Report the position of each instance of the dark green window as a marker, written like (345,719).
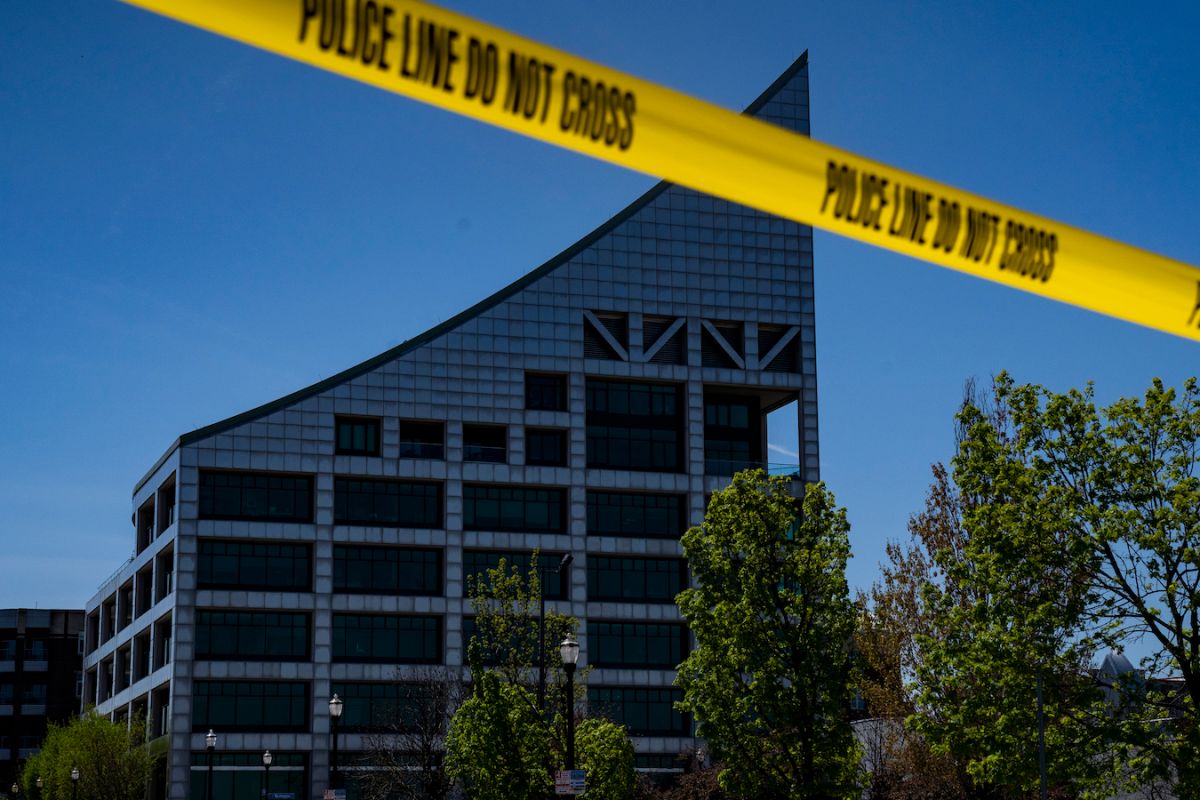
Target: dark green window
(240,776)
(250,706)
(485,443)
(732,434)
(635,426)
(226,564)
(636,514)
(394,707)
(252,636)
(635,580)
(357,436)
(546,392)
(554,586)
(545,447)
(646,712)
(390,638)
(400,504)
(514,508)
(637,644)
(255,496)
(387,570)
(422,439)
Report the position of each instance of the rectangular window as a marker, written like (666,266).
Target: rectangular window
(255,496)
(35,650)
(386,570)
(388,638)
(653,645)
(251,636)
(554,586)
(513,508)
(6,694)
(422,439)
(250,706)
(392,707)
(545,392)
(488,443)
(545,447)
(391,503)
(357,436)
(636,514)
(646,712)
(732,434)
(240,776)
(635,580)
(270,566)
(635,426)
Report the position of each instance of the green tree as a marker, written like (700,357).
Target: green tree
(769,679)
(112,760)
(603,748)
(497,743)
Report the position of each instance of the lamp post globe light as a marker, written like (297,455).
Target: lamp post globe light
(335,716)
(74,782)
(15,789)
(266,787)
(568,650)
(210,744)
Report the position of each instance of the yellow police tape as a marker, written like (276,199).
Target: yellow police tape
(463,65)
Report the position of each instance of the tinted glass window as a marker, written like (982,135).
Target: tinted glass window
(255,496)
(380,706)
(387,570)
(635,426)
(250,705)
(357,436)
(390,638)
(637,644)
(253,565)
(513,508)
(554,585)
(645,580)
(402,504)
(545,447)
(485,443)
(641,515)
(546,392)
(252,635)
(646,712)
(422,439)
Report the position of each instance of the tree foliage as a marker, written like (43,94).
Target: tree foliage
(497,743)
(602,747)
(112,761)
(769,679)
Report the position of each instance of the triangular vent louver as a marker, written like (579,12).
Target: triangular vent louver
(788,359)
(595,346)
(673,351)
(732,333)
(712,354)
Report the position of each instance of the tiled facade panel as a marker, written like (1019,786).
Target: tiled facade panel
(680,255)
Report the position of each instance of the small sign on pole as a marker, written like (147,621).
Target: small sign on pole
(570,781)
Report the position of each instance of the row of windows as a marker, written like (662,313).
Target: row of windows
(406,639)
(375,569)
(283,706)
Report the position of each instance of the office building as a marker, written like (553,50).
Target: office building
(41,678)
(320,542)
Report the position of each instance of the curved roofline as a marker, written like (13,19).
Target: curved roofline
(458,319)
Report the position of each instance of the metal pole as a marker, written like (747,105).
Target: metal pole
(1041,737)
(541,647)
(570,704)
(337,776)
(210,773)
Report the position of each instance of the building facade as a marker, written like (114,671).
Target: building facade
(321,543)
(41,679)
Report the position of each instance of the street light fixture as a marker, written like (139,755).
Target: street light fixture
(74,782)
(15,789)
(335,716)
(564,564)
(568,650)
(38,783)
(267,759)
(210,744)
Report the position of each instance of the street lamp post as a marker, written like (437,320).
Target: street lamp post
(74,783)
(267,759)
(210,744)
(564,564)
(15,789)
(335,716)
(569,651)
(38,783)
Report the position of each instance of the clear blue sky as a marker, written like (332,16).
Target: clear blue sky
(189,228)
